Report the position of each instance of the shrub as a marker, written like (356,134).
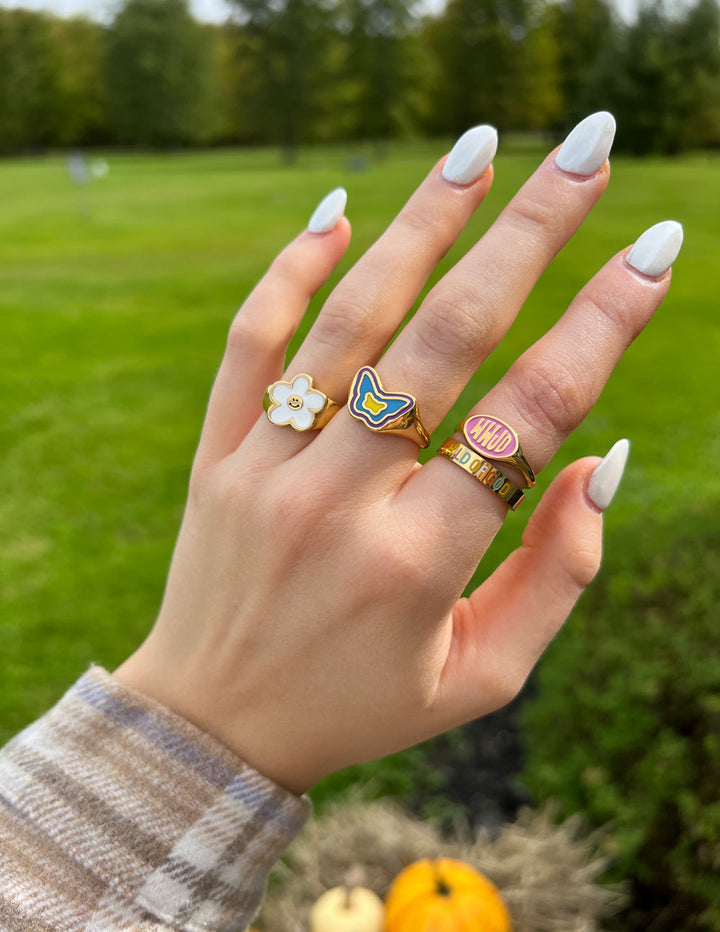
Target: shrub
(624,727)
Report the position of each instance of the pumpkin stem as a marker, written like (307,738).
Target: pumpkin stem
(354,877)
(442,888)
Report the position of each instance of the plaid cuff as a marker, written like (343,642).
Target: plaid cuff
(117,812)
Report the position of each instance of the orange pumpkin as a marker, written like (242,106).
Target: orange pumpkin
(444,895)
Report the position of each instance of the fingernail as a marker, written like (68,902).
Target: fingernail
(471,155)
(657,249)
(607,475)
(587,147)
(328,211)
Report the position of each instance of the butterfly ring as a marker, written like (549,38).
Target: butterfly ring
(388,412)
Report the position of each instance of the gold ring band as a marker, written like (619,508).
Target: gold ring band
(497,441)
(483,470)
(386,412)
(298,404)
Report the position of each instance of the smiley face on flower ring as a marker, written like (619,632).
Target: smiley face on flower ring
(295,403)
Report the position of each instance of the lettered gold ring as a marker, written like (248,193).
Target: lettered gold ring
(497,442)
(483,470)
(298,404)
(389,412)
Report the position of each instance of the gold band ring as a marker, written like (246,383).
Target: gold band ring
(297,404)
(497,442)
(388,412)
(483,470)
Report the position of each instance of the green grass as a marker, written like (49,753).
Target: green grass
(113,323)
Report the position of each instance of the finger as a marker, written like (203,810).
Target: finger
(551,388)
(370,302)
(499,632)
(368,305)
(468,312)
(262,329)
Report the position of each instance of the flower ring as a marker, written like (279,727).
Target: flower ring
(298,404)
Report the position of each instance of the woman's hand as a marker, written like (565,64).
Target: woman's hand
(312,617)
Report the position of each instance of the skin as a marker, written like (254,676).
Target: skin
(313,615)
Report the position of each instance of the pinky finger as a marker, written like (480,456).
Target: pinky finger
(264,325)
(501,630)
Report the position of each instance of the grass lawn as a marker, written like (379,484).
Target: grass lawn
(113,320)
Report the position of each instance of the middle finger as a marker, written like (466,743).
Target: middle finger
(368,305)
(468,312)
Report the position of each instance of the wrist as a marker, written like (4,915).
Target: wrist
(261,753)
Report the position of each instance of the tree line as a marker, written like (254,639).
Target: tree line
(308,71)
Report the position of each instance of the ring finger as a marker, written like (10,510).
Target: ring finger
(550,389)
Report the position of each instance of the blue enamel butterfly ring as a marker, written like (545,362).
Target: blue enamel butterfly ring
(383,411)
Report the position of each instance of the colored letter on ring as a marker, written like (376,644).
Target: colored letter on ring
(497,441)
(389,412)
(482,470)
(298,404)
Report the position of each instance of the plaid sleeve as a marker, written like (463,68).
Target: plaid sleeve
(116,815)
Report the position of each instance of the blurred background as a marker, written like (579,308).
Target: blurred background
(286,72)
(154,160)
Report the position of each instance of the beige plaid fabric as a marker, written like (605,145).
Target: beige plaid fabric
(118,815)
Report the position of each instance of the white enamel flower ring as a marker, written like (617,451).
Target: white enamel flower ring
(296,403)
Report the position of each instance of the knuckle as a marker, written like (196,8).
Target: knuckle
(200,488)
(249,335)
(202,475)
(453,325)
(402,571)
(304,509)
(419,223)
(291,273)
(215,489)
(343,322)
(230,495)
(529,215)
(552,397)
(581,565)
(285,267)
(502,683)
(615,312)
(285,509)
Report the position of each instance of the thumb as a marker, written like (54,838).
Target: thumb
(504,626)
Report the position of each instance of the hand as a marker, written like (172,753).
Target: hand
(312,617)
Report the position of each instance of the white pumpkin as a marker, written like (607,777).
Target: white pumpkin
(348,909)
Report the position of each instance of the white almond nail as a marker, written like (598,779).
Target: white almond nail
(328,212)
(471,155)
(607,475)
(657,249)
(587,147)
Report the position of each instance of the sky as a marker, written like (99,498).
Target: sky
(209,10)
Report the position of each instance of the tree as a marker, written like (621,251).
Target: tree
(541,101)
(383,66)
(80,48)
(582,30)
(661,78)
(29,81)
(160,75)
(694,77)
(287,82)
(496,60)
